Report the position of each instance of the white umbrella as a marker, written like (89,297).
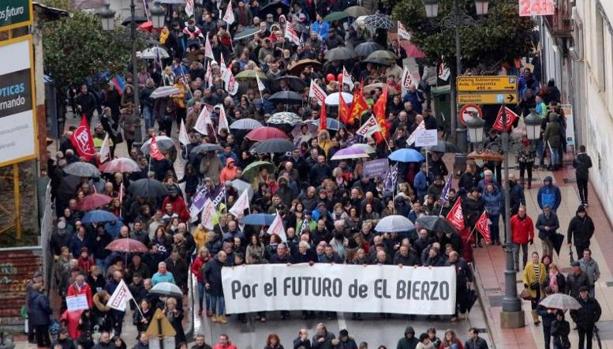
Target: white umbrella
(166,289)
(163,142)
(394,224)
(152,53)
(164,91)
(241,186)
(245,124)
(560,301)
(333,98)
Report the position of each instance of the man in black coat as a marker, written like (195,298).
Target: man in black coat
(580,231)
(464,276)
(582,165)
(576,280)
(474,341)
(586,317)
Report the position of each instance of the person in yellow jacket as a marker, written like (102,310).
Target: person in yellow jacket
(533,277)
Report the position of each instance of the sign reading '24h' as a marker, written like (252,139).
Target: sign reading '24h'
(15,13)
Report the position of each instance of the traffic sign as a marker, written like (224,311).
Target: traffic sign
(470,110)
(487,83)
(160,326)
(488,98)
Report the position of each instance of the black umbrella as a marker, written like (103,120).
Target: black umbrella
(272,8)
(341,53)
(436,223)
(148,188)
(444,147)
(366,48)
(82,169)
(557,240)
(274,145)
(206,147)
(137,19)
(294,83)
(286,97)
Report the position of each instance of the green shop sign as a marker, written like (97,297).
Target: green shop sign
(15,13)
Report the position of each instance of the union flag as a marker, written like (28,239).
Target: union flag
(456,215)
(483,227)
(359,104)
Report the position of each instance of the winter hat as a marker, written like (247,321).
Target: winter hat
(581,208)
(548,179)
(343,333)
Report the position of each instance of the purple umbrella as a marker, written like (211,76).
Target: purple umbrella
(350,153)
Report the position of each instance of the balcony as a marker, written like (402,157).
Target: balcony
(560,24)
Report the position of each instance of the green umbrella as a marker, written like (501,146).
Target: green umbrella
(336,16)
(250,74)
(253,168)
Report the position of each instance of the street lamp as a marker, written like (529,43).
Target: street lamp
(431,8)
(475,124)
(158,15)
(107,17)
(533,125)
(456,19)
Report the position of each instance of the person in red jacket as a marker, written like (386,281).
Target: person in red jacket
(178,204)
(224,342)
(522,234)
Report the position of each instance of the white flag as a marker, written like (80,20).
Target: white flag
(347,80)
(183,136)
(223,120)
(231,84)
(403,34)
(120,297)
(105,149)
(443,72)
(208,213)
(261,86)
(204,119)
(408,80)
(208,49)
(413,136)
(369,127)
(276,228)
(241,204)
(228,17)
(318,93)
(189,8)
(291,35)
(208,76)
(223,69)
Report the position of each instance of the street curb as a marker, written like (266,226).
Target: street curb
(483,302)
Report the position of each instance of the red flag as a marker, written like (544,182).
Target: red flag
(359,104)
(379,107)
(456,215)
(379,111)
(344,112)
(82,140)
(511,117)
(323,118)
(154,150)
(483,227)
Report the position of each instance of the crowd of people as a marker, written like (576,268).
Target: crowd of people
(329,207)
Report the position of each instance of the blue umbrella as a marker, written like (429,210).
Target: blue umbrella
(406,155)
(258,219)
(331,124)
(98,216)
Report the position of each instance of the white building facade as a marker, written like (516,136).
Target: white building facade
(591,90)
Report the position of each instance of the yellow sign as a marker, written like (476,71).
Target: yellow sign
(154,329)
(488,98)
(487,83)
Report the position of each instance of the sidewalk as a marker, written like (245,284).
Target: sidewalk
(490,264)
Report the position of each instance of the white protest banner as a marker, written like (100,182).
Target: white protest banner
(208,213)
(375,168)
(76,303)
(340,288)
(426,138)
(120,297)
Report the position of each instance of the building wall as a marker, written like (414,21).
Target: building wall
(595,75)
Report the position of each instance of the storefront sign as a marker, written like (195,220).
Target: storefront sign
(17,123)
(15,13)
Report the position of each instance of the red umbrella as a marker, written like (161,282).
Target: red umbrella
(411,49)
(146,26)
(264,133)
(120,165)
(94,201)
(127,245)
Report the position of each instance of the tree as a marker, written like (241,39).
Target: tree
(493,39)
(76,48)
